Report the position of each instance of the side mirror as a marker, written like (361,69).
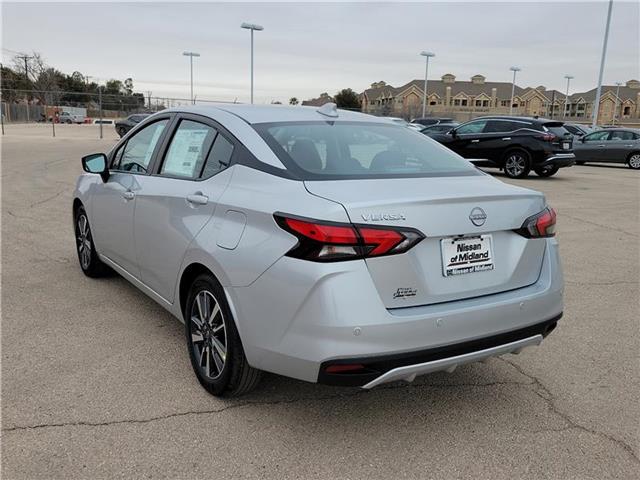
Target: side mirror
(96,163)
(453,133)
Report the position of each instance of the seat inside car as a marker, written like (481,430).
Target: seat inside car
(305,154)
(385,161)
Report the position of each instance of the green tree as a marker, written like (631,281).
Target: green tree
(293,101)
(347,98)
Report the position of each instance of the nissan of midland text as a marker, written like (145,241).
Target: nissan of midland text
(320,244)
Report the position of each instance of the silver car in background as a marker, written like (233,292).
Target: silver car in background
(324,245)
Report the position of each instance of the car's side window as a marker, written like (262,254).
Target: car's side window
(188,149)
(137,152)
(219,157)
(472,127)
(501,126)
(622,135)
(597,136)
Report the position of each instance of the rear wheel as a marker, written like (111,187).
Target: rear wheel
(634,161)
(546,171)
(215,349)
(90,263)
(517,164)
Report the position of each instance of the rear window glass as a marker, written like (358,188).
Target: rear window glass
(556,128)
(334,150)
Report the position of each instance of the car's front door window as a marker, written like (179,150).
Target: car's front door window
(136,154)
(472,127)
(597,137)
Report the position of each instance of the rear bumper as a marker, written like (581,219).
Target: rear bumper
(559,160)
(406,366)
(300,316)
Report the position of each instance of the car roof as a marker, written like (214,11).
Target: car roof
(520,118)
(253,114)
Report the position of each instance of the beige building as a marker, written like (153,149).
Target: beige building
(464,100)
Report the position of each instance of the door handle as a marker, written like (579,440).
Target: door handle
(475,141)
(601,146)
(198,199)
(128,195)
(506,138)
(628,145)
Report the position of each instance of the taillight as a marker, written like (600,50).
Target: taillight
(548,137)
(322,241)
(540,225)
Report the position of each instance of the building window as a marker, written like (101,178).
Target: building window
(463,102)
(478,103)
(485,103)
(626,111)
(504,103)
(456,102)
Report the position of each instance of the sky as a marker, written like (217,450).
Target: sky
(309,48)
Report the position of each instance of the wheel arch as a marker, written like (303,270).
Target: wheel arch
(77,203)
(189,274)
(631,154)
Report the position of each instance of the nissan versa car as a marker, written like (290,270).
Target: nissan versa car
(324,245)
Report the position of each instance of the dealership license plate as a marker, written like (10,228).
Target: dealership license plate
(566,145)
(466,255)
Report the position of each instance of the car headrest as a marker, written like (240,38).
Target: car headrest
(306,155)
(384,161)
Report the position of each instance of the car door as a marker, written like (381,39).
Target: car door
(620,144)
(592,147)
(497,136)
(114,201)
(467,139)
(178,199)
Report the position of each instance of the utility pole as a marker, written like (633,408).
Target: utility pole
(190,55)
(427,56)
(1,103)
(253,27)
(26,59)
(566,97)
(100,107)
(149,98)
(513,87)
(596,107)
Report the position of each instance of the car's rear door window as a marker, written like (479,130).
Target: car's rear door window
(622,135)
(188,150)
(219,156)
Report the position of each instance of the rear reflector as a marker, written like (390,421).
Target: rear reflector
(322,241)
(345,368)
(540,225)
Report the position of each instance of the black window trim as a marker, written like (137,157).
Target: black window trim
(132,133)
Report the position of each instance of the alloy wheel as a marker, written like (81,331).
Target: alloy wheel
(83,240)
(515,164)
(208,334)
(634,161)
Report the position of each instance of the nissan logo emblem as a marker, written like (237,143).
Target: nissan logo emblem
(477,217)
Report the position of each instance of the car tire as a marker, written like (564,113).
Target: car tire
(68,122)
(517,163)
(579,162)
(90,263)
(634,161)
(214,345)
(122,131)
(546,171)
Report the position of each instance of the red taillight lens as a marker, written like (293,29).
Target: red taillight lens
(542,224)
(548,137)
(329,242)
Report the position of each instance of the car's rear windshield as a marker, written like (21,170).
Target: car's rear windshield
(557,128)
(341,150)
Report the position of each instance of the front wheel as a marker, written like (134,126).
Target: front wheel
(517,164)
(216,353)
(547,171)
(90,263)
(634,161)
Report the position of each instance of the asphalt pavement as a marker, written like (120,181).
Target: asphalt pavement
(96,380)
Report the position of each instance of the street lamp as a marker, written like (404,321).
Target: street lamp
(427,56)
(191,55)
(252,27)
(596,107)
(566,97)
(513,86)
(615,110)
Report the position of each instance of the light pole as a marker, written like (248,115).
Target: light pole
(427,56)
(513,86)
(596,107)
(615,110)
(190,55)
(252,27)
(566,97)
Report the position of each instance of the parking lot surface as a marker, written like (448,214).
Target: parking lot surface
(96,380)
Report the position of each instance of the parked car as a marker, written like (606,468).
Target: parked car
(619,145)
(516,145)
(577,129)
(432,120)
(325,245)
(123,126)
(415,126)
(68,117)
(439,128)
